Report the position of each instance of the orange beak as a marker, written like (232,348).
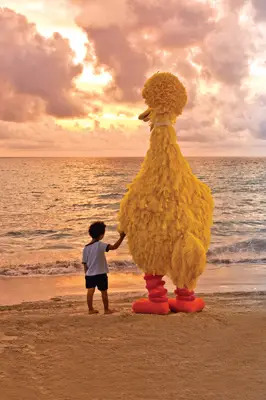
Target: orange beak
(145,116)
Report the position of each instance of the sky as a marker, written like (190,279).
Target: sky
(72,71)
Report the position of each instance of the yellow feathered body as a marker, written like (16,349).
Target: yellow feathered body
(167,212)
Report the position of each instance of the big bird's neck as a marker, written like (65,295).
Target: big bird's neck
(164,149)
(162,136)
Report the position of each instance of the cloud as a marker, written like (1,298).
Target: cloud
(119,37)
(128,64)
(256,118)
(260,9)
(210,45)
(48,138)
(180,24)
(225,52)
(236,5)
(18,107)
(36,74)
(103,14)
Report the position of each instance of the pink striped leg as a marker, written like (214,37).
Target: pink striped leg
(186,301)
(157,302)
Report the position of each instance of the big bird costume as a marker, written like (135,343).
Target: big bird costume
(167,212)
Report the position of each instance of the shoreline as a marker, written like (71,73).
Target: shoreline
(126,297)
(18,289)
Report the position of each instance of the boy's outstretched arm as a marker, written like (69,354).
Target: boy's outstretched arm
(117,244)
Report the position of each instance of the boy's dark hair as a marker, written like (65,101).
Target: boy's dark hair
(97,229)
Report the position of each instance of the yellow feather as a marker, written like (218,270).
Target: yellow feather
(167,211)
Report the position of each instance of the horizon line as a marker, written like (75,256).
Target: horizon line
(4,157)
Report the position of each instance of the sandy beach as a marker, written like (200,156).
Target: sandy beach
(50,348)
(55,350)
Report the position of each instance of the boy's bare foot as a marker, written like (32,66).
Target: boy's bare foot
(109,311)
(93,311)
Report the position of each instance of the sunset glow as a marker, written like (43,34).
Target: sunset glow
(101,62)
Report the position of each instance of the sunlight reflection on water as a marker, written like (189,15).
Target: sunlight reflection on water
(48,203)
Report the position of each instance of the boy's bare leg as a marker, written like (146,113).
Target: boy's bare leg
(90,294)
(106,302)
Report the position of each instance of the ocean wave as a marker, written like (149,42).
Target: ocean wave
(253,244)
(110,195)
(59,246)
(84,205)
(122,266)
(38,232)
(59,235)
(77,219)
(258,261)
(61,268)
(29,233)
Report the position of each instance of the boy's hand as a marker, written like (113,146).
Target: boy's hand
(117,244)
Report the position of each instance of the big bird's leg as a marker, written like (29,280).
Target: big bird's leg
(186,301)
(157,303)
(188,262)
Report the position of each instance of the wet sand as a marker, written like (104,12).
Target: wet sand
(236,278)
(55,350)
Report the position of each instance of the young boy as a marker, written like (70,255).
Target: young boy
(95,265)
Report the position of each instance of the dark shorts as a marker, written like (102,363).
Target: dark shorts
(101,281)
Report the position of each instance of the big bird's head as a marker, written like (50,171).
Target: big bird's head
(164,94)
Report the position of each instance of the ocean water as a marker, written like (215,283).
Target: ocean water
(47,204)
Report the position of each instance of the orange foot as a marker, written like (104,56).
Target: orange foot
(177,305)
(145,306)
